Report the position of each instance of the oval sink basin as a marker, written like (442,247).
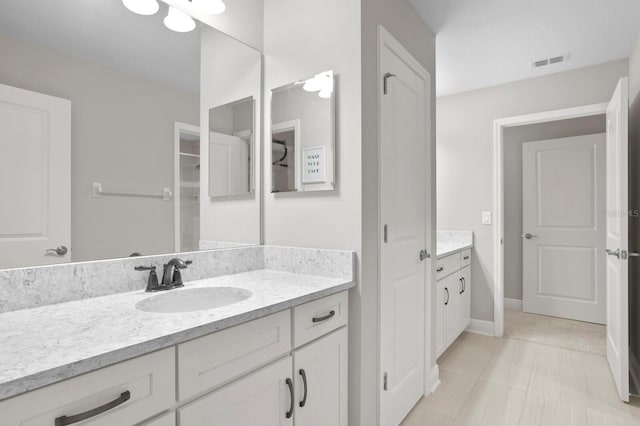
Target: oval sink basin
(192,300)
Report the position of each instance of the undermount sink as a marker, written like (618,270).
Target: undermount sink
(191,300)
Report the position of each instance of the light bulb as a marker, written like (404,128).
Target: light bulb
(179,21)
(142,7)
(209,7)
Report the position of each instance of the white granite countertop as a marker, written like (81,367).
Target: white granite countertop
(451,242)
(44,345)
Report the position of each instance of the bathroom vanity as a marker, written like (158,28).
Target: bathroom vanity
(275,355)
(453,274)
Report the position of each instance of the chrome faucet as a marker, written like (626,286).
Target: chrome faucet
(171,276)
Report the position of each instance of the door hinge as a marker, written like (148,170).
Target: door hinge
(384,382)
(386,233)
(386,77)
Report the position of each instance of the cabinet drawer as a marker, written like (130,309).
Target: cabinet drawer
(319,317)
(447,265)
(465,258)
(149,381)
(213,360)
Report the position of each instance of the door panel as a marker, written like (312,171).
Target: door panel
(36,184)
(403,208)
(324,363)
(563,200)
(617,240)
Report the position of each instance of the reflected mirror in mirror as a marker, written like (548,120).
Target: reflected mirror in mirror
(231,149)
(303,135)
(100,132)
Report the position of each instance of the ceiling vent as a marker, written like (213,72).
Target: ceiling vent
(550,61)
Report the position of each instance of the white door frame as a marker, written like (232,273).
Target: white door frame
(431,381)
(177,129)
(286,126)
(498,190)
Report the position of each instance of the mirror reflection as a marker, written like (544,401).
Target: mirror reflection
(231,149)
(303,135)
(100,133)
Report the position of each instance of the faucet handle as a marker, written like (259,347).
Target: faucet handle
(152,282)
(145,268)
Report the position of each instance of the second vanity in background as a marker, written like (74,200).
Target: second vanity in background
(453,274)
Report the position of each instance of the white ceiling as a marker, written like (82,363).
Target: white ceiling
(482,43)
(105,32)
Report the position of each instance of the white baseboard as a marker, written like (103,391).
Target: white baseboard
(434,378)
(513,304)
(481,327)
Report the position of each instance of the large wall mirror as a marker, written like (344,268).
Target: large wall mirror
(102,114)
(303,135)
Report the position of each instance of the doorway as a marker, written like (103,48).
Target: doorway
(186,187)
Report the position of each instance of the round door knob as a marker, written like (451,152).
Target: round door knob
(529,236)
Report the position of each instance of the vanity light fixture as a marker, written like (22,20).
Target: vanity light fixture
(209,7)
(142,7)
(178,21)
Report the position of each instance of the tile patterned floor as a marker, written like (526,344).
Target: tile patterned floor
(489,381)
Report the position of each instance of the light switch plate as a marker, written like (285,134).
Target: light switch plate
(486,218)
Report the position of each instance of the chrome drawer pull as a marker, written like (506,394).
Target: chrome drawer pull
(440,269)
(324,318)
(465,258)
(64,420)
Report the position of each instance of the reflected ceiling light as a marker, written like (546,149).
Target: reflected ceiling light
(142,7)
(322,83)
(179,21)
(209,7)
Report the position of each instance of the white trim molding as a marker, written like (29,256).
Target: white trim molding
(513,304)
(498,191)
(481,327)
(434,378)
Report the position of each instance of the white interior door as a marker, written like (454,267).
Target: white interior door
(564,228)
(617,238)
(35,133)
(228,165)
(404,180)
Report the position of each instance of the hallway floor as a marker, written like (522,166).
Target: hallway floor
(503,381)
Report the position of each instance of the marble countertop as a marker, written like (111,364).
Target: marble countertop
(451,242)
(48,344)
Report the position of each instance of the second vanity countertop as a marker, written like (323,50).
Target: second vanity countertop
(48,344)
(451,242)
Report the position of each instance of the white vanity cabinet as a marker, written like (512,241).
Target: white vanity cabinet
(305,386)
(453,309)
(288,368)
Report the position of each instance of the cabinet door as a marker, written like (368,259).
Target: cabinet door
(465,300)
(261,398)
(441,318)
(452,307)
(321,381)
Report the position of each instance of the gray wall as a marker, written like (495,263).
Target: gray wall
(122,136)
(514,138)
(634,203)
(400,19)
(465,152)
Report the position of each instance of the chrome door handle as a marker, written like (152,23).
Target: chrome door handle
(529,236)
(60,251)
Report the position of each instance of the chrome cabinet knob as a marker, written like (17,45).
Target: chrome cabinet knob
(60,251)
